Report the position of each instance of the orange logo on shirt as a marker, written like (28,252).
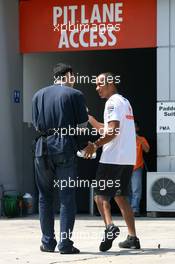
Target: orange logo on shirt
(130,117)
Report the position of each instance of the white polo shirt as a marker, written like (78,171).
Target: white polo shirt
(122,149)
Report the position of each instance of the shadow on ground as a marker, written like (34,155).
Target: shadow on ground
(125,252)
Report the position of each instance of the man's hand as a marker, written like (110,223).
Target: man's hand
(89,150)
(144,144)
(94,123)
(140,139)
(91,118)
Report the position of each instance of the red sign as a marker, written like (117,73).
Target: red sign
(52,25)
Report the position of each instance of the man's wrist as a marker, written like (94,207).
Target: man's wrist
(95,146)
(90,117)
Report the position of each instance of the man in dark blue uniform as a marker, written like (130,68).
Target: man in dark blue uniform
(55,109)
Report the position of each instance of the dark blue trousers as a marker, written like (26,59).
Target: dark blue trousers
(51,180)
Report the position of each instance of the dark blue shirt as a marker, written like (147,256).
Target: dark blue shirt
(58,107)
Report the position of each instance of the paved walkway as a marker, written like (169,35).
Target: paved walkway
(20,240)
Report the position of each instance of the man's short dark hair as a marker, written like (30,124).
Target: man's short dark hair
(61,69)
(109,77)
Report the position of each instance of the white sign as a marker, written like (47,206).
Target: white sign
(166,117)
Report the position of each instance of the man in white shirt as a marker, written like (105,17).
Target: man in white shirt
(118,157)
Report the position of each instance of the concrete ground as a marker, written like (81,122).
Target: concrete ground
(20,241)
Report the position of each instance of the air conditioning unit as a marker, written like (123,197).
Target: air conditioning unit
(161,191)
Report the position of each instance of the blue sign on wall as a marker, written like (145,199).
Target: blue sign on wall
(16,96)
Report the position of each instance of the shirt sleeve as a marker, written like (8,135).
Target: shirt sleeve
(80,111)
(113,111)
(34,112)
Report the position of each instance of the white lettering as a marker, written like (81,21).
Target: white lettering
(108,14)
(63,40)
(93,37)
(57,12)
(83,43)
(95,14)
(118,12)
(72,9)
(72,41)
(83,18)
(113,39)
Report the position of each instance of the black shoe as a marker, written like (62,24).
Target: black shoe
(130,242)
(110,234)
(72,250)
(44,249)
